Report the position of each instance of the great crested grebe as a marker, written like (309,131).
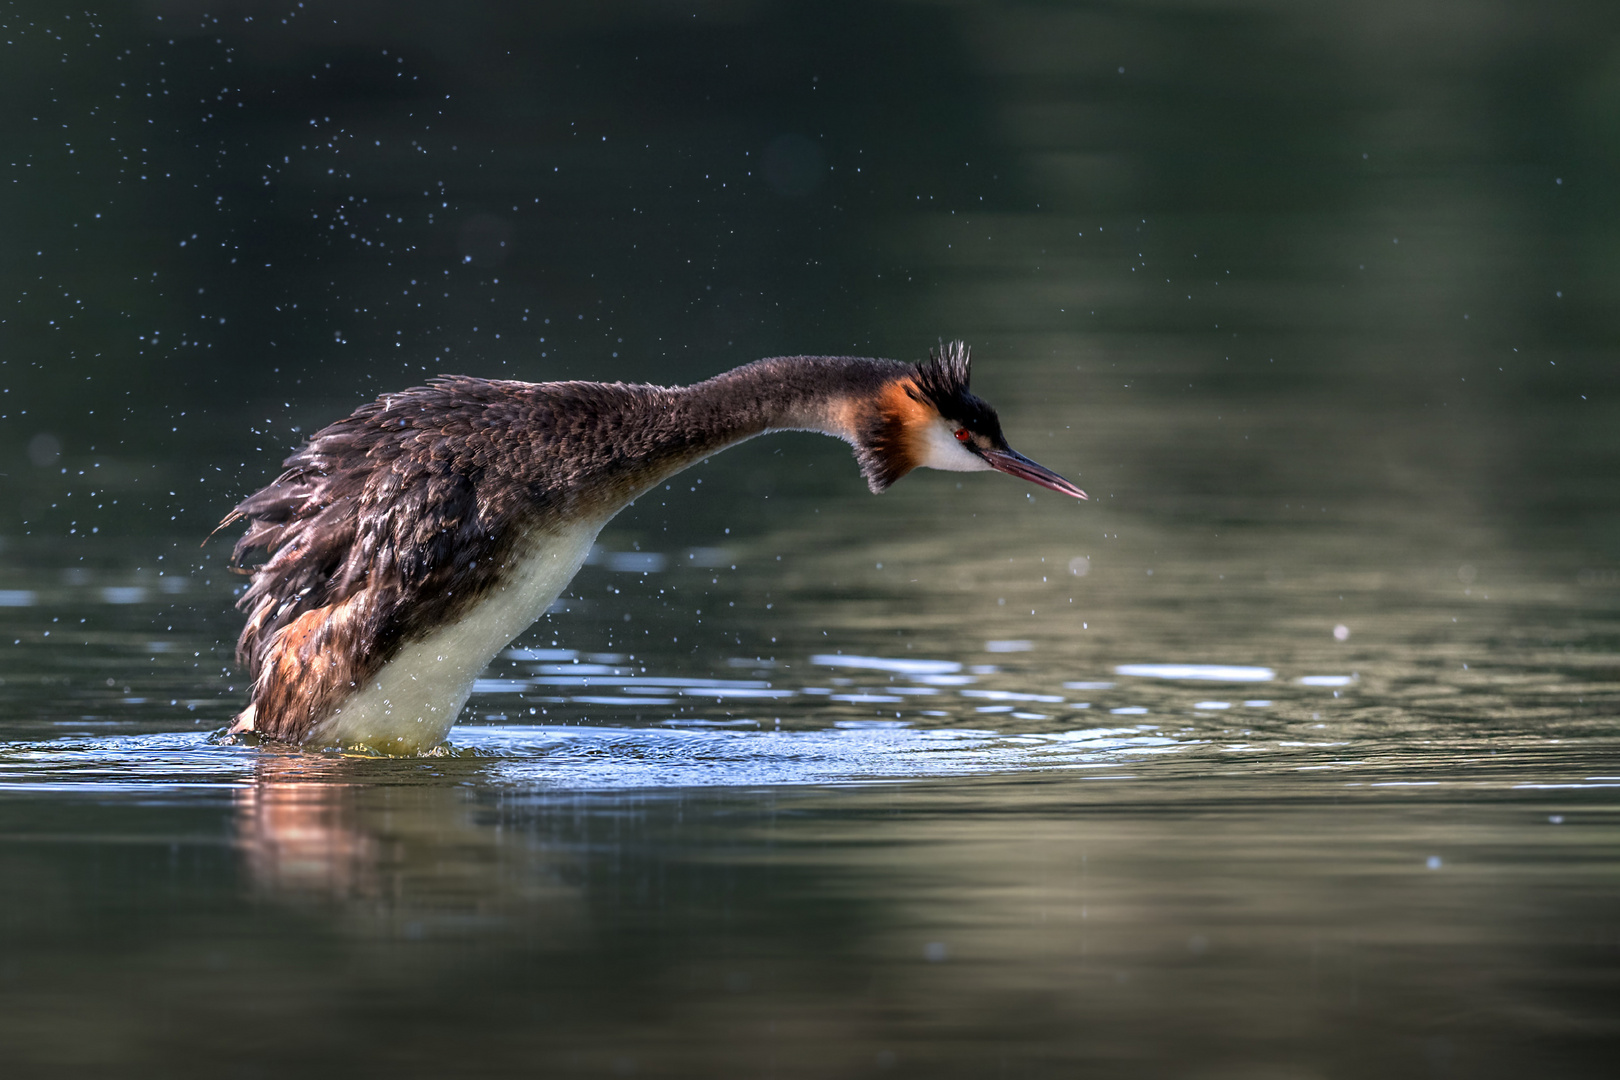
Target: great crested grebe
(409,543)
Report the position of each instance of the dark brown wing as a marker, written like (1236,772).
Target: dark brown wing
(393,521)
(374,529)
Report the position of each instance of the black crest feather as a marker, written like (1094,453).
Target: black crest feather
(943,377)
(942,380)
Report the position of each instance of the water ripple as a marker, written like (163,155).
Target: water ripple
(685,754)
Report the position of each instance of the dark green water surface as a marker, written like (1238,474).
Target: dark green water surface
(1293,753)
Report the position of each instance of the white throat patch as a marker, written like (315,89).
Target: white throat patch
(940,450)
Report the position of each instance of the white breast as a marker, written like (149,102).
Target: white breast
(409,705)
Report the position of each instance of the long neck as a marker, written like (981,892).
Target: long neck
(785,393)
(606,444)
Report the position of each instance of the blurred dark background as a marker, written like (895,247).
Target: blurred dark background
(1385,234)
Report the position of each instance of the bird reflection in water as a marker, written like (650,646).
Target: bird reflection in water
(407,843)
(300,835)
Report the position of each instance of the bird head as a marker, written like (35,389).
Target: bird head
(928,418)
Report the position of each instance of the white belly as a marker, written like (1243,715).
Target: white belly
(409,705)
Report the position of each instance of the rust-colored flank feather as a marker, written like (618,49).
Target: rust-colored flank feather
(406,544)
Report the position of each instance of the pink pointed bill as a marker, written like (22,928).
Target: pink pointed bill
(1013,463)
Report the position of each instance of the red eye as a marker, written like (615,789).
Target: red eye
(962,434)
